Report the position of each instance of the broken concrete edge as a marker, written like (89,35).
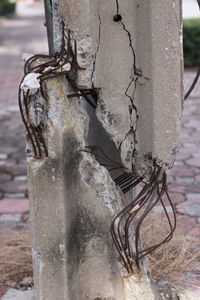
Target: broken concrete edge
(92,42)
(87,56)
(54,134)
(67,116)
(132,285)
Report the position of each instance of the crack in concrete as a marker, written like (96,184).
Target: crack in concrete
(132,106)
(97,50)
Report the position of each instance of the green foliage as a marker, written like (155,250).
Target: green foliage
(6,7)
(191,42)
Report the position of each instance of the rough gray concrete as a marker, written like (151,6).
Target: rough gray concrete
(159,99)
(73,198)
(13,294)
(79,231)
(129,62)
(71,242)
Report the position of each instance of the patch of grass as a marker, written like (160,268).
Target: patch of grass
(174,262)
(15,258)
(177,261)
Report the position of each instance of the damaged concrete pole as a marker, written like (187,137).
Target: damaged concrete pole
(120,92)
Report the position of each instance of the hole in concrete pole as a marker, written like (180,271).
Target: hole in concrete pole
(117,18)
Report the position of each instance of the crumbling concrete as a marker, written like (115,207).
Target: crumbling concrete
(73,199)
(140,56)
(122,55)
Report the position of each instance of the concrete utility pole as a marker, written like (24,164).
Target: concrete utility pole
(125,97)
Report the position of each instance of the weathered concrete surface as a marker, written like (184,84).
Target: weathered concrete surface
(13,294)
(71,226)
(137,67)
(73,198)
(72,201)
(159,99)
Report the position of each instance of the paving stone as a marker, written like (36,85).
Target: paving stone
(14,205)
(190,150)
(193,187)
(4,177)
(183,171)
(15,195)
(1,195)
(188,145)
(197,178)
(177,198)
(185,180)
(3,156)
(193,197)
(13,186)
(193,162)
(191,208)
(20,169)
(19,155)
(187,131)
(20,178)
(190,138)
(13,294)
(10,166)
(7,166)
(193,123)
(196,154)
(178,163)
(186,223)
(9,219)
(158,209)
(176,188)
(7,150)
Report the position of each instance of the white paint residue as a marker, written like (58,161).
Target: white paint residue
(66,67)
(31,83)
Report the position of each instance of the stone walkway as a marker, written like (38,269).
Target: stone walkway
(26,33)
(184,177)
(23,33)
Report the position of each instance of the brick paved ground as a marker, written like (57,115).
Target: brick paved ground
(23,33)
(18,34)
(185,175)
(26,33)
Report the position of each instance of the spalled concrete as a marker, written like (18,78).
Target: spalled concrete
(73,198)
(71,242)
(137,68)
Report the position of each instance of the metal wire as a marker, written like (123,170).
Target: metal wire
(126,225)
(51,68)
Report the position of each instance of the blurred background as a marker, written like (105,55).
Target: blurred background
(22,30)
